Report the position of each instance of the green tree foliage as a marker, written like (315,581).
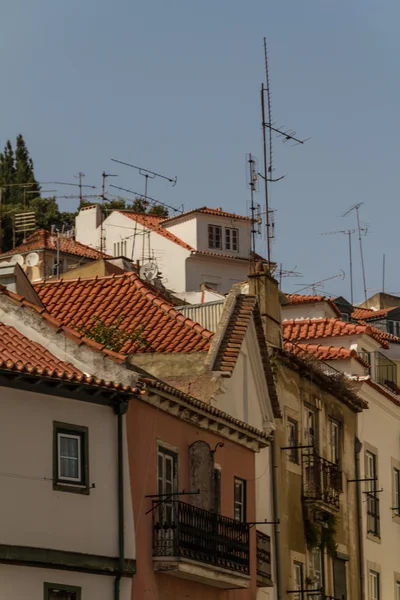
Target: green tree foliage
(112,336)
(141,205)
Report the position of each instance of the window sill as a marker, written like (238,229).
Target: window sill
(72,488)
(374,538)
(396,519)
(293,467)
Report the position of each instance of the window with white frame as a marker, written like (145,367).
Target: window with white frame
(298,580)
(310,427)
(315,571)
(167,478)
(231,239)
(373,585)
(70,456)
(398,590)
(240,500)
(396,493)
(54,591)
(215,237)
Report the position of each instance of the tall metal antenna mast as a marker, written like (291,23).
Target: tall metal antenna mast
(287,135)
(349,233)
(147,174)
(103,199)
(252,185)
(383,273)
(356,207)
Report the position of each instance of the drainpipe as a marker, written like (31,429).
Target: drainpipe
(120,409)
(357,450)
(275,508)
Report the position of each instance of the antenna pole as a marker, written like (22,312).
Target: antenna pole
(103,199)
(80,175)
(361,251)
(349,233)
(266,176)
(383,273)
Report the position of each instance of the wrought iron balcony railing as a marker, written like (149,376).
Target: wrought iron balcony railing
(197,534)
(322,480)
(264,556)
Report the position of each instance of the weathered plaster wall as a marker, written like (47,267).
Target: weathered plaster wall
(33,514)
(147,426)
(293,391)
(21,583)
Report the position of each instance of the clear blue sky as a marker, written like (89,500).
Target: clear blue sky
(174,86)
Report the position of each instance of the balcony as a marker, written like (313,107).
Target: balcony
(196,544)
(264,572)
(386,372)
(322,481)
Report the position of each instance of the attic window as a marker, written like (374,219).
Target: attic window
(215,237)
(231,239)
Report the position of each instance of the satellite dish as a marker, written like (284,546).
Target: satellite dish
(148,271)
(32,259)
(17,258)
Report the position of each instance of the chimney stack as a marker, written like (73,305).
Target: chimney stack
(265,288)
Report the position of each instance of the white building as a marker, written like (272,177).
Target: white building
(368,356)
(62,455)
(202,246)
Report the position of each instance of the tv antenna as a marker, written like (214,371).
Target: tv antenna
(286,273)
(349,233)
(103,199)
(252,184)
(148,198)
(320,284)
(356,207)
(286,135)
(147,174)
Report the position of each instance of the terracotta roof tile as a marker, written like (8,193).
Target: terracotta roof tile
(139,305)
(300,299)
(154,223)
(43,239)
(325,352)
(368,313)
(308,329)
(208,211)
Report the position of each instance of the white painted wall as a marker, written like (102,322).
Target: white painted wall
(318,310)
(33,514)
(221,272)
(185,229)
(170,257)
(379,427)
(21,583)
(245,396)
(87,226)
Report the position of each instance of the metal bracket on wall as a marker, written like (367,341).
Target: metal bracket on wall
(297,447)
(364,479)
(167,497)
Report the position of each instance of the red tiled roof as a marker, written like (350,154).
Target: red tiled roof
(44,240)
(308,329)
(141,308)
(20,354)
(208,211)
(300,299)
(389,337)
(228,352)
(325,352)
(235,332)
(368,313)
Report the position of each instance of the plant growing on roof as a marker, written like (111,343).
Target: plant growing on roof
(112,336)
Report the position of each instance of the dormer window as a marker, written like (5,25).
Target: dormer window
(231,239)
(215,237)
